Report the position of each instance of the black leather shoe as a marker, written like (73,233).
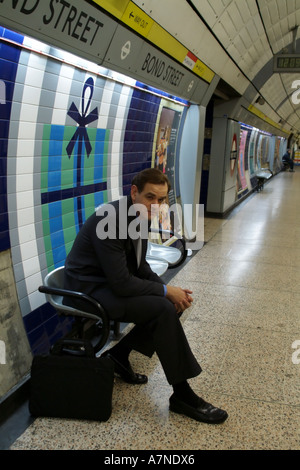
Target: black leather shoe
(125,372)
(204,412)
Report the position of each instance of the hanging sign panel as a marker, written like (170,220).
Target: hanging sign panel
(165,73)
(130,54)
(73,25)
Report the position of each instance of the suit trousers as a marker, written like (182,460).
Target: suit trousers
(158,329)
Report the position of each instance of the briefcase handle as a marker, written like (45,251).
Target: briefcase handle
(75,347)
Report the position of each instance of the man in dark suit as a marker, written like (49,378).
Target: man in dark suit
(108,262)
(287,159)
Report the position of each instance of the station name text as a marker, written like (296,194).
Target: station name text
(158,68)
(62,16)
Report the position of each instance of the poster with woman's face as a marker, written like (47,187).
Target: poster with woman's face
(165,154)
(163,138)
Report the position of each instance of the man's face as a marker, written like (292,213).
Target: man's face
(152,196)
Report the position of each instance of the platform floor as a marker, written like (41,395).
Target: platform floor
(241,327)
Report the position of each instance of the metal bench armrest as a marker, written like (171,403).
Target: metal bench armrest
(181,239)
(72,294)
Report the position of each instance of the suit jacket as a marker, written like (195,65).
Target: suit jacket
(107,269)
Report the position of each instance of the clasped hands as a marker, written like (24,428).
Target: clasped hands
(181,298)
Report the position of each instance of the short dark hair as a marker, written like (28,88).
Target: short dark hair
(150,175)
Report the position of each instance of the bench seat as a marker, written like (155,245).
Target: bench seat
(262,176)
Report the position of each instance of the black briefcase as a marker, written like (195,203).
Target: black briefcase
(67,384)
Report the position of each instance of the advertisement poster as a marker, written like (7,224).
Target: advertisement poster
(233,155)
(165,155)
(242,182)
(277,160)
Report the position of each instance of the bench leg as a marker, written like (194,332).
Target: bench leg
(260,185)
(116,328)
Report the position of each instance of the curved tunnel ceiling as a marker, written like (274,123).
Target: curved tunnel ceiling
(238,39)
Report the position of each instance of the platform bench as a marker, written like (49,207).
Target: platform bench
(262,176)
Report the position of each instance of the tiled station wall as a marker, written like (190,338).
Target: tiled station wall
(72,135)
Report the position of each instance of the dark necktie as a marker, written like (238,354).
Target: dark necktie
(138,249)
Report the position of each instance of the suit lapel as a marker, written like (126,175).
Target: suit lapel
(140,244)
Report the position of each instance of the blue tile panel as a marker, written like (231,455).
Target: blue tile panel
(9,56)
